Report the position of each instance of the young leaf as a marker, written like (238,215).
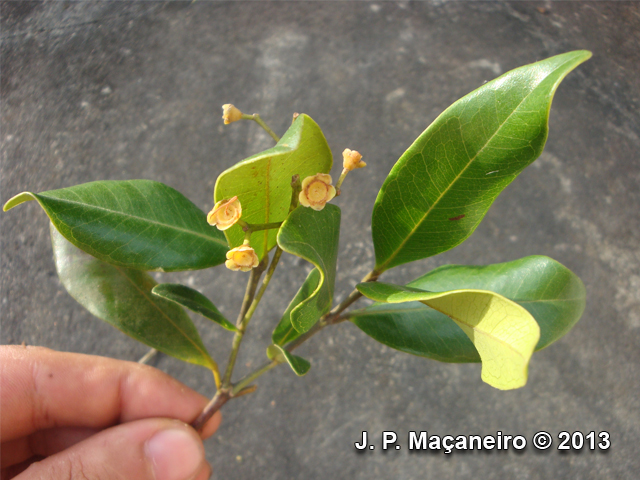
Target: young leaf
(194,301)
(122,297)
(504,333)
(441,187)
(284,332)
(299,365)
(137,224)
(262,182)
(313,235)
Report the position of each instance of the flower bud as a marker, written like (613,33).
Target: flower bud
(316,191)
(230,114)
(225,213)
(352,160)
(241,258)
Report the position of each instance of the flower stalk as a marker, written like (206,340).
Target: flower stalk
(256,118)
(231,113)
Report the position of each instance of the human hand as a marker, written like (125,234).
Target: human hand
(73,416)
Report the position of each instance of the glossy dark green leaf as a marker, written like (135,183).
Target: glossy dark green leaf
(194,301)
(313,236)
(504,333)
(284,332)
(122,297)
(417,329)
(137,224)
(442,186)
(299,365)
(552,293)
(262,182)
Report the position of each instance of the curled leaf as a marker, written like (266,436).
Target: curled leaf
(504,333)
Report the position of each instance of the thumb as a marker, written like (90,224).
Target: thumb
(150,449)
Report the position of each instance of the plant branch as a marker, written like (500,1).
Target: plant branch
(331,318)
(244,321)
(218,400)
(249,305)
(263,288)
(238,387)
(252,285)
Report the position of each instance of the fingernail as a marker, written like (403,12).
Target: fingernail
(174,455)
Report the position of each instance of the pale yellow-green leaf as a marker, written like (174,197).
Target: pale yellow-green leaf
(504,333)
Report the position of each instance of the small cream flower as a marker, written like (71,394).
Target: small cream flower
(225,213)
(352,160)
(230,114)
(317,191)
(242,258)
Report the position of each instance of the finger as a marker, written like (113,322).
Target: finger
(42,388)
(47,442)
(42,443)
(205,473)
(153,449)
(18,468)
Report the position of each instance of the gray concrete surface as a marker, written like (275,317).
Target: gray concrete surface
(117,90)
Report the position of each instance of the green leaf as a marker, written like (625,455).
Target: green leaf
(313,236)
(137,224)
(414,328)
(262,182)
(504,333)
(442,186)
(194,301)
(122,297)
(284,332)
(552,293)
(299,365)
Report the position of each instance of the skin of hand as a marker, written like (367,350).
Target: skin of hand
(72,416)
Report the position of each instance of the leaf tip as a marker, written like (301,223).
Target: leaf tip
(500,383)
(17,200)
(586,54)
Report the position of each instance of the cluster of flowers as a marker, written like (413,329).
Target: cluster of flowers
(316,191)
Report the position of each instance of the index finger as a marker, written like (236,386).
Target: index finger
(42,388)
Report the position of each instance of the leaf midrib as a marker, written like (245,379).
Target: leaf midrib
(117,213)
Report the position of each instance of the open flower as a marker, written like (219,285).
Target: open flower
(352,160)
(242,258)
(317,191)
(230,114)
(225,213)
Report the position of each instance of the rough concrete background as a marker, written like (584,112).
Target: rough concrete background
(117,90)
